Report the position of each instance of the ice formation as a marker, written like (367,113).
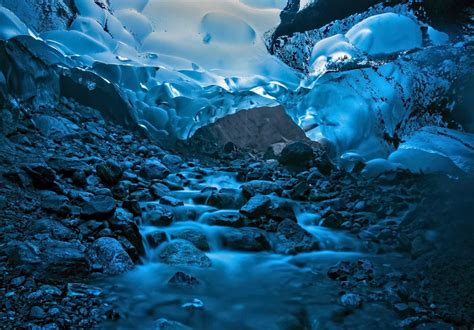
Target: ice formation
(170,74)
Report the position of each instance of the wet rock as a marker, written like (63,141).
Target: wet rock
(197,237)
(164,324)
(153,169)
(42,176)
(52,227)
(403,310)
(274,151)
(292,239)
(332,220)
(171,201)
(256,206)
(110,172)
(225,198)
(67,165)
(246,239)
(160,217)
(156,238)
(109,253)
(224,218)
(159,190)
(281,210)
(181,252)
(351,300)
(297,154)
(183,279)
(124,224)
(263,187)
(99,207)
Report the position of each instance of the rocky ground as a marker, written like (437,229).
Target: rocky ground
(83,201)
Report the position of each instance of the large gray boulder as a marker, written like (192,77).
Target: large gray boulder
(184,253)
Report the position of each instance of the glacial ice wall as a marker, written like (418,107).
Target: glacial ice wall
(145,65)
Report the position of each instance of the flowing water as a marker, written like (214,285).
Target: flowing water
(242,290)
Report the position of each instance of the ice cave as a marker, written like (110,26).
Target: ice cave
(237,164)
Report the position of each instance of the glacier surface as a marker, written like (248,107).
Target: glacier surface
(174,66)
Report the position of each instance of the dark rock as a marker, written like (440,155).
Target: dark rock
(297,154)
(171,201)
(351,300)
(153,169)
(99,207)
(42,176)
(403,310)
(256,206)
(256,129)
(224,218)
(292,239)
(197,237)
(181,252)
(158,217)
(156,238)
(173,162)
(281,210)
(183,279)
(37,312)
(274,151)
(109,253)
(55,127)
(361,270)
(225,198)
(110,172)
(54,228)
(246,239)
(159,190)
(263,187)
(67,165)
(124,224)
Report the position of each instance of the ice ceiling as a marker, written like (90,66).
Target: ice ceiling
(182,64)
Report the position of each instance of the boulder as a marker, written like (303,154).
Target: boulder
(246,239)
(109,253)
(153,169)
(52,227)
(184,253)
(197,237)
(292,239)
(256,129)
(297,154)
(155,238)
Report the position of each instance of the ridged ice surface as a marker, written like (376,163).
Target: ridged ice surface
(179,65)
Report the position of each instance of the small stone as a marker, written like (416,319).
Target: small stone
(82,290)
(246,239)
(256,206)
(197,237)
(263,187)
(99,207)
(224,218)
(171,201)
(37,312)
(183,279)
(297,154)
(110,172)
(351,300)
(153,169)
(156,238)
(159,190)
(158,217)
(181,252)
